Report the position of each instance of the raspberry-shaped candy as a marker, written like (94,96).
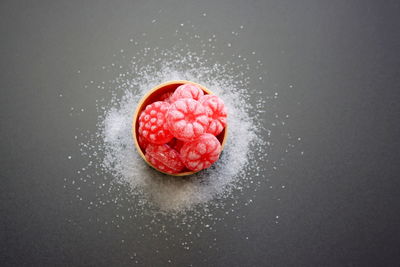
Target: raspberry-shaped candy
(152,124)
(187,119)
(201,153)
(186,90)
(217,113)
(164,158)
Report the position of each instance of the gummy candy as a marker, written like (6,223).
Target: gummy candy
(186,90)
(201,153)
(164,158)
(216,111)
(187,119)
(152,124)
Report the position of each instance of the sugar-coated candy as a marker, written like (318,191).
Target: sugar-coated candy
(201,153)
(187,119)
(164,158)
(152,123)
(217,113)
(186,90)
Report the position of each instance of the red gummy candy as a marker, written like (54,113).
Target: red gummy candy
(216,111)
(152,124)
(201,153)
(164,158)
(187,119)
(186,90)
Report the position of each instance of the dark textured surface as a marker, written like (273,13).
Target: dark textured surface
(341,205)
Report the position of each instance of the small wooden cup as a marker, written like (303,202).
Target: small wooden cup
(152,96)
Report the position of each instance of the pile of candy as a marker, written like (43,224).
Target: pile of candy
(179,131)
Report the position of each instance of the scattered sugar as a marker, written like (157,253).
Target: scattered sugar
(125,183)
(174,194)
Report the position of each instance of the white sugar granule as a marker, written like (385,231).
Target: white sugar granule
(179,194)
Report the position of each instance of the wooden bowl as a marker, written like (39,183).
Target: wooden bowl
(152,96)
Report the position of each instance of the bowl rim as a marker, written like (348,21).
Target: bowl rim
(139,108)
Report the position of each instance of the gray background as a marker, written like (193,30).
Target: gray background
(341,205)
